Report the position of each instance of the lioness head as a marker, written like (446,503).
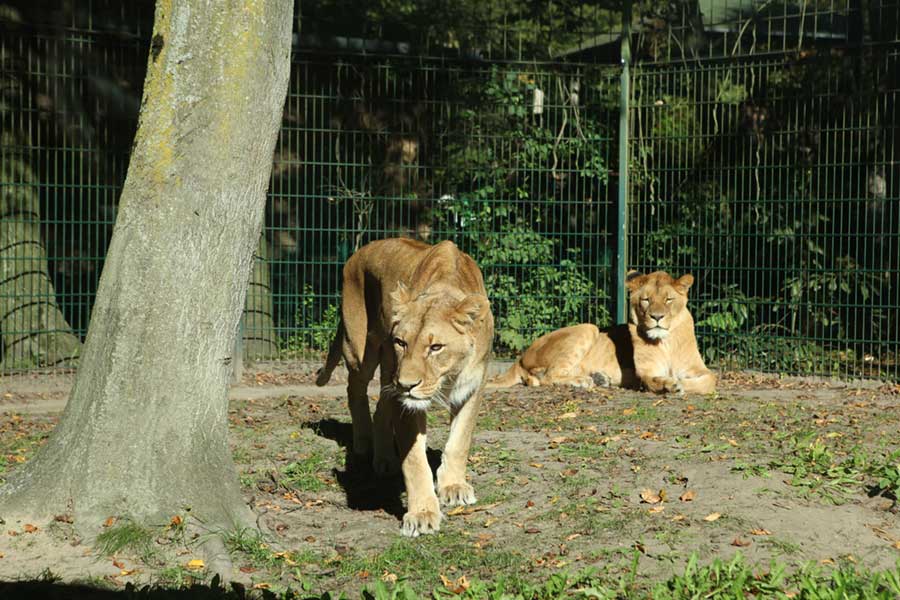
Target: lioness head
(657,302)
(433,337)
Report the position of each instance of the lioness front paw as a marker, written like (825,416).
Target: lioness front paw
(457,494)
(418,523)
(583,382)
(601,379)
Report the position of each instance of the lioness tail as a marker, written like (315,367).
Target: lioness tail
(334,356)
(513,376)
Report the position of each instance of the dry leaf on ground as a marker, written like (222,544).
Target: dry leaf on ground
(687,496)
(712,517)
(651,497)
(456,587)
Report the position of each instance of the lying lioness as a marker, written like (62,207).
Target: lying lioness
(657,349)
(421,313)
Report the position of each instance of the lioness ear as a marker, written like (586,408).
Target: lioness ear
(469,311)
(634,280)
(684,283)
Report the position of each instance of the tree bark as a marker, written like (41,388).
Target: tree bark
(34,331)
(260,340)
(144,432)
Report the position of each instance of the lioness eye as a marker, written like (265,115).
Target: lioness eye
(669,300)
(436,347)
(400,342)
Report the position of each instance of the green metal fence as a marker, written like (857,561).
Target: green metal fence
(763,161)
(760,144)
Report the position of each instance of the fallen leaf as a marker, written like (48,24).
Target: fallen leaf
(537,465)
(629,411)
(309,539)
(468,510)
(656,509)
(109,522)
(118,564)
(363,574)
(29,528)
(532,530)
(246,569)
(388,577)
(678,518)
(456,587)
(760,532)
(127,572)
(63,518)
(568,415)
(569,538)
(896,545)
(687,496)
(711,517)
(195,564)
(175,522)
(2,555)
(650,497)
(490,522)
(740,543)
(261,586)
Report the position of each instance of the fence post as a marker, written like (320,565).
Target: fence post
(625,93)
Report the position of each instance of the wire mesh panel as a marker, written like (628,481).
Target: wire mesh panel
(69,96)
(764,163)
(762,159)
(509,161)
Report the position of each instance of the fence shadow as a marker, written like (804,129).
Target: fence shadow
(364,489)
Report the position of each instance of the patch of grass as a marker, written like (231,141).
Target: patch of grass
(425,559)
(126,536)
(303,474)
(781,547)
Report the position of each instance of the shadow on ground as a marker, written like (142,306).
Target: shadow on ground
(365,490)
(46,590)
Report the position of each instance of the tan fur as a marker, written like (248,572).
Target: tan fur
(421,313)
(657,349)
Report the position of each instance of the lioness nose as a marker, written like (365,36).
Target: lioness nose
(407,385)
(657,316)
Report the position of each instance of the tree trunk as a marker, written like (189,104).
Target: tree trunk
(260,340)
(144,432)
(34,331)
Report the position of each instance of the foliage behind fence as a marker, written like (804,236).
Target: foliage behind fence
(761,148)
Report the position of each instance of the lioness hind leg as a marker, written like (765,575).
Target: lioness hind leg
(385,461)
(358,402)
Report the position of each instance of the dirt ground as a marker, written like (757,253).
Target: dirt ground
(774,468)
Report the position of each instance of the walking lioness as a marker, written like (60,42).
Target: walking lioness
(421,313)
(657,348)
